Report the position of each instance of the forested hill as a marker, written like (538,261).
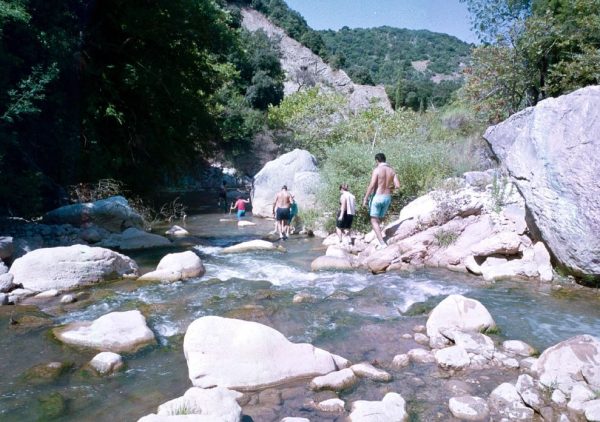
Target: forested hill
(425,63)
(386,51)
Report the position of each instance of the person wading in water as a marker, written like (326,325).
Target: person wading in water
(383,180)
(281,211)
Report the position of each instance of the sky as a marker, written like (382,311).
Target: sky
(447,16)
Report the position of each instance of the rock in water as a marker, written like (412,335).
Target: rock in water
(69,267)
(457,312)
(297,170)
(551,151)
(391,409)
(114,332)
(252,245)
(246,355)
(176,266)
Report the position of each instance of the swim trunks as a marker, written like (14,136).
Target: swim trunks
(345,222)
(241,213)
(282,214)
(379,205)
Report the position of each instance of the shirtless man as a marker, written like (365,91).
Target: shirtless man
(281,211)
(383,180)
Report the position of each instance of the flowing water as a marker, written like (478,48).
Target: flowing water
(357,315)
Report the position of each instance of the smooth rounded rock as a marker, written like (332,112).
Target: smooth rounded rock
(391,409)
(175,267)
(337,381)
(469,408)
(250,246)
(245,355)
(114,332)
(107,362)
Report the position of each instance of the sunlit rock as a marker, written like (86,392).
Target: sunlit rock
(469,408)
(391,409)
(114,332)
(460,313)
(176,266)
(247,355)
(64,268)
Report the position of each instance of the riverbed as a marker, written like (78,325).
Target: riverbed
(357,315)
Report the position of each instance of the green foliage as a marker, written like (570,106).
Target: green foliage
(122,90)
(541,48)
(501,190)
(445,238)
(385,56)
(307,120)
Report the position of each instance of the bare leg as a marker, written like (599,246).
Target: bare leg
(377,230)
(339,233)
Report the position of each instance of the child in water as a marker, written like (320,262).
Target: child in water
(240,206)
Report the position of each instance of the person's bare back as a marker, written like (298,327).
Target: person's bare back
(386,179)
(283,199)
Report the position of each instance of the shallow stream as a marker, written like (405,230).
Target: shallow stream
(356,315)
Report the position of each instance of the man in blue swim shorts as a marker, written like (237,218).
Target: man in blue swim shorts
(383,180)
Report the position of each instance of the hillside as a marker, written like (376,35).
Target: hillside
(425,63)
(303,68)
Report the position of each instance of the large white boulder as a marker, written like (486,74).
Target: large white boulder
(246,355)
(457,312)
(561,365)
(177,266)
(297,170)
(69,267)
(391,409)
(114,332)
(215,404)
(113,214)
(551,152)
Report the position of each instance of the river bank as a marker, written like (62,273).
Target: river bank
(360,316)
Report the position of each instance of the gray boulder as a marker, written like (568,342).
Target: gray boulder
(133,238)
(391,409)
(68,267)
(551,152)
(113,214)
(297,170)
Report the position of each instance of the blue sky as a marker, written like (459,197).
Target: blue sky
(448,16)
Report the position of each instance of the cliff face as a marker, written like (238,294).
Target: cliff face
(303,68)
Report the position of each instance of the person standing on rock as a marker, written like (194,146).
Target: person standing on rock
(383,180)
(345,216)
(281,210)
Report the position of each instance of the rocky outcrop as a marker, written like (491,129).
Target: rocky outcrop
(476,228)
(69,267)
(303,68)
(176,266)
(297,170)
(114,332)
(246,355)
(551,152)
(113,214)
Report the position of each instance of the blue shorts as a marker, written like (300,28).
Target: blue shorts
(380,205)
(241,213)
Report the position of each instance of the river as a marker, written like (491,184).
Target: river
(356,315)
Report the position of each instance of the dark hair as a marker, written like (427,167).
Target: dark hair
(380,157)
(224,182)
(284,187)
(344,186)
